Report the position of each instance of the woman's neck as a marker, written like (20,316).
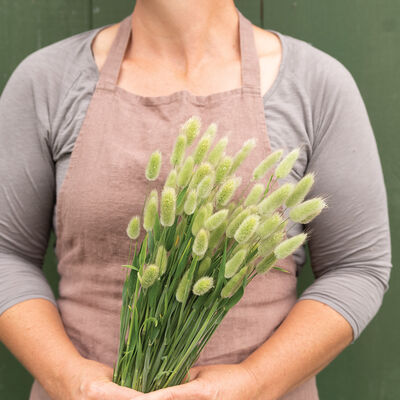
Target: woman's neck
(183,32)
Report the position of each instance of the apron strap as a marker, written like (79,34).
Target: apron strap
(250,69)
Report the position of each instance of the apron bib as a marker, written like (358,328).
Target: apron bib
(105,185)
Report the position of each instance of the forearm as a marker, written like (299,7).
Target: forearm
(33,331)
(311,336)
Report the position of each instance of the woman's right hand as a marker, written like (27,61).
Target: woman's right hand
(91,380)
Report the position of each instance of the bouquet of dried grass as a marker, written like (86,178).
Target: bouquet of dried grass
(200,251)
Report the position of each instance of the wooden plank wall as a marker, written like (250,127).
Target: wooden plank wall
(364,36)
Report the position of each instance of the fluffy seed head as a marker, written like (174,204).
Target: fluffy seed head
(133,229)
(201,172)
(288,246)
(247,228)
(232,286)
(150,211)
(202,148)
(153,166)
(201,215)
(261,170)
(211,130)
(236,221)
(205,186)
(234,263)
(266,264)
(171,179)
(203,285)
(183,288)
(203,267)
(168,206)
(223,169)
(285,166)
(308,210)
(215,220)
(179,150)
(268,245)
(185,173)
(255,194)
(242,154)
(275,199)
(218,151)
(190,202)
(216,235)
(200,244)
(226,191)
(150,275)
(269,225)
(191,129)
(162,259)
(301,190)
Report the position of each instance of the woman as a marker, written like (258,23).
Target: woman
(92,111)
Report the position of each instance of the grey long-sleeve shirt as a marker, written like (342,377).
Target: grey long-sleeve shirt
(314,102)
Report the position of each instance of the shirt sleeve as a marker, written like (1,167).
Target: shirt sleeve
(27,189)
(349,245)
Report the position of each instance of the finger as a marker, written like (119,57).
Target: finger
(187,391)
(111,391)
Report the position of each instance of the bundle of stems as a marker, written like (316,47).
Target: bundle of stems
(200,251)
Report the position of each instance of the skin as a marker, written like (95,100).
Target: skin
(173,51)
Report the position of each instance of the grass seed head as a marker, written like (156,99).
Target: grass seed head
(218,151)
(261,170)
(234,263)
(162,259)
(285,166)
(183,288)
(203,267)
(301,190)
(266,264)
(232,286)
(255,194)
(168,206)
(202,148)
(269,225)
(242,154)
(288,246)
(153,166)
(190,202)
(200,244)
(215,220)
(171,179)
(133,229)
(185,173)
(308,210)
(267,245)
(203,285)
(205,186)
(150,275)
(226,191)
(178,152)
(236,221)
(150,211)
(247,228)
(275,199)
(191,129)
(223,169)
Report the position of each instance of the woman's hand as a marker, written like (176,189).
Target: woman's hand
(91,380)
(210,382)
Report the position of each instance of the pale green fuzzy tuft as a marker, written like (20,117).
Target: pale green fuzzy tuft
(185,173)
(133,229)
(162,259)
(211,130)
(149,276)
(268,245)
(266,264)
(247,228)
(203,267)
(168,207)
(223,169)
(234,263)
(275,199)
(183,288)
(308,210)
(242,154)
(215,220)
(203,285)
(255,194)
(232,286)
(261,170)
(216,235)
(153,166)
(171,179)
(301,190)
(191,129)
(218,151)
(178,152)
(202,148)
(269,225)
(285,166)
(200,244)
(201,172)
(236,221)
(201,215)
(150,211)
(226,191)
(288,246)
(190,202)
(205,186)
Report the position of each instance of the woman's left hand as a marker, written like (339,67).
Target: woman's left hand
(210,382)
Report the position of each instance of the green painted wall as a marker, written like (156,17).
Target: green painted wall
(364,36)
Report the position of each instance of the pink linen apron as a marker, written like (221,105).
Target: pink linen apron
(105,185)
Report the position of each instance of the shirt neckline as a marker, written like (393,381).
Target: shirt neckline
(182,93)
